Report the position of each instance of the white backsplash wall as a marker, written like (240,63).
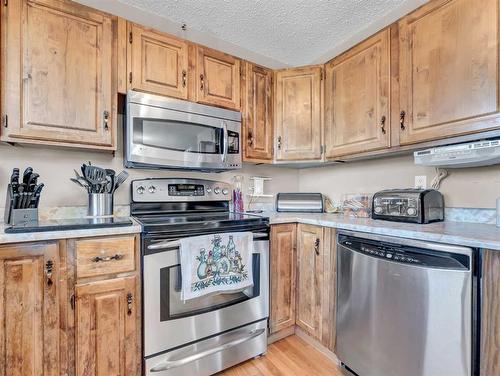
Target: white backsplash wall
(55,166)
(467,187)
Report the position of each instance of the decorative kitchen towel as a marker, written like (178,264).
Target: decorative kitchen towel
(217,263)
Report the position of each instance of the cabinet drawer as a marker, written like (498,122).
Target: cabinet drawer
(96,257)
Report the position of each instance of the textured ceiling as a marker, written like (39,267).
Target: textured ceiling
(287,32)
(294,32)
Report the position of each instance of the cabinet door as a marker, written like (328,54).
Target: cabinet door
(310,254)
(490,314)
(257,114)
(60,81)
(449,73)
(159,63)
(298,114)
(106,328)
(29,310)
(283,268)
(218,78)
(357,98)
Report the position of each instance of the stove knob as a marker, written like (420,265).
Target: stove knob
(209,189)
(152,189)
(378,209)
(225,191)
(410,211)
(216,190)
(141,190)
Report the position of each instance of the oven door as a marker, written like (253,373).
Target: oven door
(170,322)
(180,134)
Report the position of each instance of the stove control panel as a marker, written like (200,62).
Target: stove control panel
(167,190)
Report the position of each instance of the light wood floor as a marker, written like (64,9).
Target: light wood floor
(290,356)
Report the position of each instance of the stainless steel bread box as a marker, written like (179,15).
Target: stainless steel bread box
(300,202)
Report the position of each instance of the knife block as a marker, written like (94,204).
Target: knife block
(18,216)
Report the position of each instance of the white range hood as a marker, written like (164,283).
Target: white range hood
(473,154)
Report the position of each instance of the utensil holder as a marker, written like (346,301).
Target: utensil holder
(15,217)
(100,204)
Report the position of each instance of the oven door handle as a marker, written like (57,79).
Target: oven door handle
(172,244)
(169,364)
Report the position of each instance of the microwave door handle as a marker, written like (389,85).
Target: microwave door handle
(225,141)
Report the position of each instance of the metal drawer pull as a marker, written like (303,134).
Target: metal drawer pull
(118,256)
(169,364)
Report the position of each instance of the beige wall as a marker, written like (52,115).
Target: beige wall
(475,187)
(472,187)
(55,166)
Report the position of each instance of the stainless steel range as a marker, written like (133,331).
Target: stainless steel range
(208,334)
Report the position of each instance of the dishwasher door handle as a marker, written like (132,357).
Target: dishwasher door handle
(169,364)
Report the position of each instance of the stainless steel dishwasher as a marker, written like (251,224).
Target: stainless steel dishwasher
(404,308)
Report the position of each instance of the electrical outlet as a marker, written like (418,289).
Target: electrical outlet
(421,182)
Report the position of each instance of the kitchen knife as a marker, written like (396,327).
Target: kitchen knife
(35,197)
(32,181)
(26,175)
(14,178)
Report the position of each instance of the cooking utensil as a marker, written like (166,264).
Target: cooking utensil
(110,174)
(120,179)
(76,181)
(96,176)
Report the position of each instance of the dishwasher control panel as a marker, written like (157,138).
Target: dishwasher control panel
(399,253)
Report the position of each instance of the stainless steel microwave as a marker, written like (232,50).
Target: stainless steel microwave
(170,133)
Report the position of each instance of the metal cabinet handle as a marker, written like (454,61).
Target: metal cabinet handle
(170,364)
(72,302)
(129,303)
(382,124)
(402,120)
(279,142)
(106,120)
(250,138)
(316,246)
(49,265)
(118,256)
(202,82)
(184,78)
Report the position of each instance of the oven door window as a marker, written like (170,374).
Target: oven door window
(172,307)
(178,136)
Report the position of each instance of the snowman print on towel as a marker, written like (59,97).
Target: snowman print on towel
(222,265)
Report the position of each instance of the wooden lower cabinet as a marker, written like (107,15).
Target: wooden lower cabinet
(30,311)
(490,315)
(309,278)
(303,280)
(106,327)
(283,270)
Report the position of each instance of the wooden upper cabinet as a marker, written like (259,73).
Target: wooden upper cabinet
(283,272)
(310,253)
(257,114)
(357,99)
(298,114)
(29,310)
(59,76)
(449,75)
(159,63)
(106,328)
(217,78)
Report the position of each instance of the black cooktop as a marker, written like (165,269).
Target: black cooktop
(69,224)
(199,222)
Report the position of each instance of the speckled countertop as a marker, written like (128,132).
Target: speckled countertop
(456,233)
(135,228)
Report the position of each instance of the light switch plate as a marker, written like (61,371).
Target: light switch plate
(421,182)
